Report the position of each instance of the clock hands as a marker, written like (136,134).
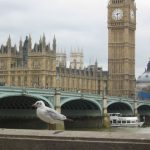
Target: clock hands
(117,15)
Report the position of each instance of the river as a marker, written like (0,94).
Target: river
(121,129)
(130,130)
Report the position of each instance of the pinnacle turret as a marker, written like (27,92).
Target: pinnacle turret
(54,43)
(8,44)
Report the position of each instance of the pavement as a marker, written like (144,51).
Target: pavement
(16,139)
(90,135)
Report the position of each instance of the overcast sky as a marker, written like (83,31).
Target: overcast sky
(77,24)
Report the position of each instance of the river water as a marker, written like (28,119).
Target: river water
(121,129)
(129,130)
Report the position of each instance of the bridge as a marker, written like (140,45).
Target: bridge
(86,109)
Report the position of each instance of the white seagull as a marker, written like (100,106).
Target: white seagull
(47,114)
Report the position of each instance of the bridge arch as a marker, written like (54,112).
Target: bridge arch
(16,111)
(28,96)
(88,100)
(120,107)
(143,109)
(85,112)
(144,113)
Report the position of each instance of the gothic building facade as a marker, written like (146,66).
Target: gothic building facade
(40,66)
(30,67)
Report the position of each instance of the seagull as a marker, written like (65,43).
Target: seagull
(48,114)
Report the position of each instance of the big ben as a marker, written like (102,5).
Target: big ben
(121,47)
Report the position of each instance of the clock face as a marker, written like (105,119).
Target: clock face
(132,15)
(117,14)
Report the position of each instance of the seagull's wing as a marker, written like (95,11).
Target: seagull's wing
(54,114)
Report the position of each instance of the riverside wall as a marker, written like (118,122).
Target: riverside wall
(12,139)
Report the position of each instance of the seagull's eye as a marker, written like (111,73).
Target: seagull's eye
(39,103)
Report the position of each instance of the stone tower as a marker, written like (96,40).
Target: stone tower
(61,59)
(121,47)
(42,65)
(76,59)
(26,48)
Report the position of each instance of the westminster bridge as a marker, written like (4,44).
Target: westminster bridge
(87,110)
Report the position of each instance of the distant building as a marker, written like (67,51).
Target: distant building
(61,59)
(143,84)
(40,66)
(76,59)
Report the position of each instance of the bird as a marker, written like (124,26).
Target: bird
(48,114)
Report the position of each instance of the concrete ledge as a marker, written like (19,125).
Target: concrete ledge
(72,140)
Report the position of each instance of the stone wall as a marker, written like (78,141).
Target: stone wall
(71,140)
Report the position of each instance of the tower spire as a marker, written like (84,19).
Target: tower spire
(30,42)
(20,44)
(43,42)
(9,42)
(54,43)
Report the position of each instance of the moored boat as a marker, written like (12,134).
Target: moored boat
(117,120)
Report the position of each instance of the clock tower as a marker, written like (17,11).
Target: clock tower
(121,47)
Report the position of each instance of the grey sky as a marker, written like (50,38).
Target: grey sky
(76,23)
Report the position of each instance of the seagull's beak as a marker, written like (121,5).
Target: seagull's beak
(34,105)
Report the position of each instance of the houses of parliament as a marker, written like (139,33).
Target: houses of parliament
(42,66)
